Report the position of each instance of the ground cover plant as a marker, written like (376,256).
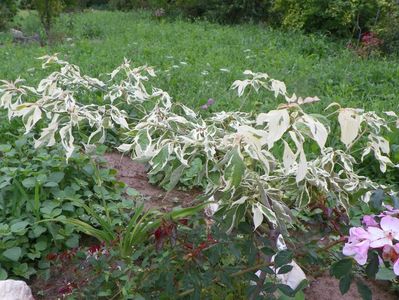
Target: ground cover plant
(286,180)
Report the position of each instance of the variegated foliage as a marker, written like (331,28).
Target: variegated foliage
(262,165)
(59,99)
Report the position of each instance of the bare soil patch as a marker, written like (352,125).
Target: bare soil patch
(327,288)
(134,174)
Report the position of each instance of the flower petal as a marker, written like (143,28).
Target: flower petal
(378,243)
(358,233)
(396,267)
(361,252)
(389,223)
(348,249)
(375,233)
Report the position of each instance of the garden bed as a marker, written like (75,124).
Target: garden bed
(134,175)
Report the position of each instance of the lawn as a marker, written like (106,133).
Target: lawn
(199,60)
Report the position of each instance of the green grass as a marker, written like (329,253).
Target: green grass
(310,65)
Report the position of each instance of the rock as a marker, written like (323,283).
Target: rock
(15,290)
(19,37)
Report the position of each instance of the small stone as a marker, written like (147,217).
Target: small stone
(15,290)
(17,34)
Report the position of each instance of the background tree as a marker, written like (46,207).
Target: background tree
(48,11)
(8,9)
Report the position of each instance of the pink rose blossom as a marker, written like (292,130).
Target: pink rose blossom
(384,236)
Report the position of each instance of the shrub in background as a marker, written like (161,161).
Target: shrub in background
(229,11)
(8,9)
(25,4)
(339,17)
(387,28)
(48,11)
(140,4)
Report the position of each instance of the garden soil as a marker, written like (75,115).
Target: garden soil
(135,176)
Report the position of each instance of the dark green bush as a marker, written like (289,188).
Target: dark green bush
(68,4)
(26,4)
(8,9)
(228,11)
(94,3)
(387,29)
(339,17)
(138,4)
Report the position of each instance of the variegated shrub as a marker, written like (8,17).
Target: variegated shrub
(263,164)
(59,100)
(258,166)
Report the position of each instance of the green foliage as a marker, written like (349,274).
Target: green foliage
(387,27)
(8,9)
(184,257)
(338,17)
(231,11)
(38,185)
(310,65)
(48,11)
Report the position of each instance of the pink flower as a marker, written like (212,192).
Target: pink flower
(358,233)
(358,245)
(369,221)
(384,236)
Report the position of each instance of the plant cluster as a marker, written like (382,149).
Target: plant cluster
(182,258)
(37,186)
(262,164)
(260,171)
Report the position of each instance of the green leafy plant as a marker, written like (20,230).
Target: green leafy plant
(38,185)
(182,256)
(48,11)
(342,18)
(8,9)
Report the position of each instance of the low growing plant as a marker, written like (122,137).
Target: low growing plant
(39,185)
